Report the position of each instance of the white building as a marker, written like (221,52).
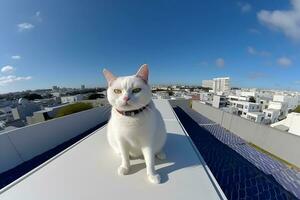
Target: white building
(257,117)
(207,83)
(55,88)
(219,101)
(281,106)
(291,123)
(205,96)
(264,103)
(245,107)
(56,94)
(237,98)
(24,109)
(221,84)
(162,95)
(71,99)
(271,115)
(292,101)
(248,94)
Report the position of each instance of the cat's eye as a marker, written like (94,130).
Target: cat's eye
(117,91)
(136,90)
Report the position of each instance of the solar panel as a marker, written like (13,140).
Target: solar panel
(247,173)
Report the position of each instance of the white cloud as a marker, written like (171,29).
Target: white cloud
(7,69)
(25,26)
(253,51)
(220,62)
(245,7)
(297,82)
(38,17)
(286,21)
(4,80)
(16,57)
(284,61)
(254,31)
(256,75)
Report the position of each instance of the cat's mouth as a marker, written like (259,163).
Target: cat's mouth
(125,104)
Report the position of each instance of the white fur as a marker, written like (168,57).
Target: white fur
(143,134)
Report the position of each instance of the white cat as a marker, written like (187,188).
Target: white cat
(136,127)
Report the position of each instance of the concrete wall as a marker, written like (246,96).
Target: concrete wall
(279,143)
(22,144)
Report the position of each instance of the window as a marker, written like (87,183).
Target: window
(269,115)
(240,106)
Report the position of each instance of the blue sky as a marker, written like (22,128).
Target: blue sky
(67,43)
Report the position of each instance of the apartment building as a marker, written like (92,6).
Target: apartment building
(221,84)
(271,115)
(219,101)
(245,107)
(291,101)
(218,85)
(281,106)
(71,99)
(257,117)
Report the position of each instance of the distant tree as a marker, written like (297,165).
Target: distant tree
(171,93)
(48,96)
(73,108)
(252,99)
(297,110)
(32,96)
(205,89)
(96,96)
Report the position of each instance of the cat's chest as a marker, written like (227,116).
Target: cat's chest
(143,122)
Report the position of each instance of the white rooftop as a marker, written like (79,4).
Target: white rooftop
(88,170)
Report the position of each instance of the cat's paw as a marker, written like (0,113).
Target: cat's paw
(123,170)
(161,155)
(154,178)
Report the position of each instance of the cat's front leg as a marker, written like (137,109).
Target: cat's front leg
(125,165)
(150,162)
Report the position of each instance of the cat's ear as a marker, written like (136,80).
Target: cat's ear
(109,76)
(143,72)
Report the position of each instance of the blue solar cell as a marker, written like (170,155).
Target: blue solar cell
(242,171)
(260,160)
(223,135)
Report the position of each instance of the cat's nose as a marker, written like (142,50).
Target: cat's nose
(126,98)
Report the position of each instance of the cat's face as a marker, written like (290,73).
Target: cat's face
(128,92)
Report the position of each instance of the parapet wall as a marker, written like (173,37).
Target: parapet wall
(282,144)
(20,145)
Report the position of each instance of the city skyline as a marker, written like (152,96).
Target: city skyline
(69,43)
